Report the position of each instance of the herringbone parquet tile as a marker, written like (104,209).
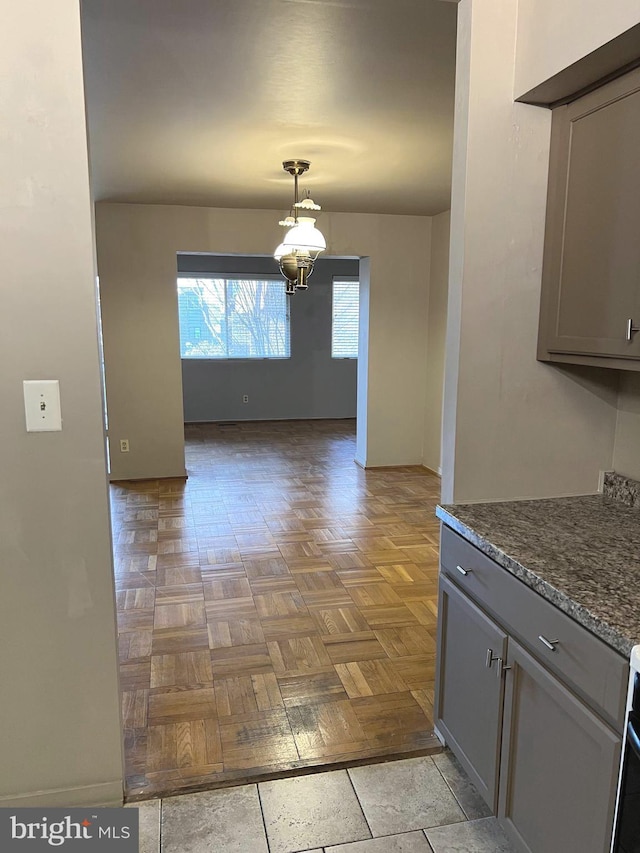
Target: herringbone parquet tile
(276,611)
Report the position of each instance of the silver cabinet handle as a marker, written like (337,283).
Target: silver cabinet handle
(550,644)
(462,571)
(501,667)
(631,329)
(490,659)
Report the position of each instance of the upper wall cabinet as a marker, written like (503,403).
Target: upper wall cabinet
(590,308)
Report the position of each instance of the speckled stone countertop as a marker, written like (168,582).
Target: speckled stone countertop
(581,554)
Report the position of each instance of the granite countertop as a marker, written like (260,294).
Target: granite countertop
(581,554)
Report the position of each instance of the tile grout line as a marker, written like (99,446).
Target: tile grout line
(424,832)
(462,809)
(264,823)
(353,788)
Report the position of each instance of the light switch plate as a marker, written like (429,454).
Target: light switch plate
(42,405)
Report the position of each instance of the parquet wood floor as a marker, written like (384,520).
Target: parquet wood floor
(276,611)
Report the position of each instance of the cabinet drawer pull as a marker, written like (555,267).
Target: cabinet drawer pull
(631,329)
(501,667)
(462,571)
(550,644)
(490,659)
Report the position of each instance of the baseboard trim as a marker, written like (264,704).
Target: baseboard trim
(439,735)
(233,421)
(102,795)
(370,467)
(436,471)
(183,476)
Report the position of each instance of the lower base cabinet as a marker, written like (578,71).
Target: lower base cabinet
(545,763)
(559,764)
(471,697)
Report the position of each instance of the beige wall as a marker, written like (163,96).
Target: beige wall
(513,427)
(436,333)
(60,738)
(552,35)
(137,246)
(626,455)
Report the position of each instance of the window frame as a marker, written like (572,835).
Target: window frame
(227,277)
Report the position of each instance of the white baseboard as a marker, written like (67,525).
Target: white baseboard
(102,795)
(370,466)
(437,471)
(184,475)
(439,735)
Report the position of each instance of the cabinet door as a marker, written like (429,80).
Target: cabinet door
(559,766)
(468,702)
(591,273)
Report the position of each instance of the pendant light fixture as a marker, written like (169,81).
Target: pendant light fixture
(303,242)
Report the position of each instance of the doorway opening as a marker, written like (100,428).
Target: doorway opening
(251,353)
(277,608)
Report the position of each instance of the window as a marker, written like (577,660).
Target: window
(344,320)
(233,318)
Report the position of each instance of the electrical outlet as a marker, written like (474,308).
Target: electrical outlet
(245,398)
(124,445)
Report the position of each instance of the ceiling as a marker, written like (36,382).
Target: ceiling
(198,102)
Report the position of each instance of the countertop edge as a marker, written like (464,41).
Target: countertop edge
(561,600)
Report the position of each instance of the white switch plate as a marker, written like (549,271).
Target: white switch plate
(42,405)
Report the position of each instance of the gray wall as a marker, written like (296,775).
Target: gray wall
(60,741)
(436,334)
(552,36)
(626,454)
(310,384)
(513,427)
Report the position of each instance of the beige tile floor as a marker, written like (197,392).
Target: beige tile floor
(417,805)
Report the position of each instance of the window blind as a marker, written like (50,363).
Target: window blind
(344,321)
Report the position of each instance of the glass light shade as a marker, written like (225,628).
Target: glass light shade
(281,251)
(307,204)
(305,237)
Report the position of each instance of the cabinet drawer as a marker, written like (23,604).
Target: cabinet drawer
(593,669)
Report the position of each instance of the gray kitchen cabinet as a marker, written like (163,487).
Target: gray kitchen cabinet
(590,303)
(559,765)
(530,702)
(470,694)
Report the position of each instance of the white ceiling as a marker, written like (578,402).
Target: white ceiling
(199,101)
